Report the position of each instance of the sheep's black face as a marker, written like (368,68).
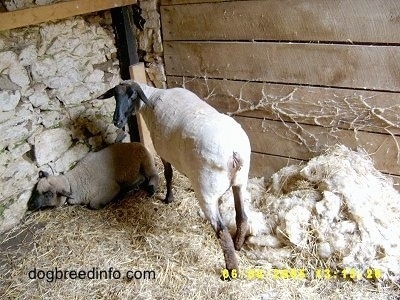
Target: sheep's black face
(42,200)
(123,108)
(35,201)
(127,97)
(45,194)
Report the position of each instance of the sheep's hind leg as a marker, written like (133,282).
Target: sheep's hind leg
(242,225)
(228,249)
(169,197)
(224,237)
(105,195)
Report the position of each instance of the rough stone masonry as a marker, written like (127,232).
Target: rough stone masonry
(50,75)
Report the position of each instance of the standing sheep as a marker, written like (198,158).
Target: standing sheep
(98,178)
(210,148)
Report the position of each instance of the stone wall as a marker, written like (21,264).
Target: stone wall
(150,43)
(49,75)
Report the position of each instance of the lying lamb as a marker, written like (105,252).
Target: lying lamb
(97,178)
(210,148)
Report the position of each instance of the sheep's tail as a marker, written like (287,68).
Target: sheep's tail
(235,164)
(237,161)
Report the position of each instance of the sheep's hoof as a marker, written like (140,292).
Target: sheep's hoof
(151,190)
(168,199)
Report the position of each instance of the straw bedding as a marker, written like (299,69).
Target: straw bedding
(337,208)
(143,234)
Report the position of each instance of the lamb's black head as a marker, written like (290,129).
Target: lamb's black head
(127,98)
(47,193)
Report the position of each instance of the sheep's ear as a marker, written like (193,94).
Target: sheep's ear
(135,89)
(43,174)
(110,93)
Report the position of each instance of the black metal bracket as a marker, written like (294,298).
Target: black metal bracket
(125,41)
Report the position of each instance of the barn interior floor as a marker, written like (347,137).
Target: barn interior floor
(142,235)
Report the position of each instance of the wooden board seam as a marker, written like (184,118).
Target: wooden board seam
(330,42)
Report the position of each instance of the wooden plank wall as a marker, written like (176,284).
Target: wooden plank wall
(299,75)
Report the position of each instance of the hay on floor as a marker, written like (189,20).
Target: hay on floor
(336,212)
(143,234)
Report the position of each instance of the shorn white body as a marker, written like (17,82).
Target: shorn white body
(199,142)
(210,148)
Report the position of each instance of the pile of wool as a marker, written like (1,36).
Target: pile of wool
(336,209)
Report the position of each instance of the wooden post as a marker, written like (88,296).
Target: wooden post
(138,73)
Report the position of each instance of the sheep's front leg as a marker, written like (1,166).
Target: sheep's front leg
(242,225)
(169,197)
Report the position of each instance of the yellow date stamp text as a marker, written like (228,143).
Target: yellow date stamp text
(300,273)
